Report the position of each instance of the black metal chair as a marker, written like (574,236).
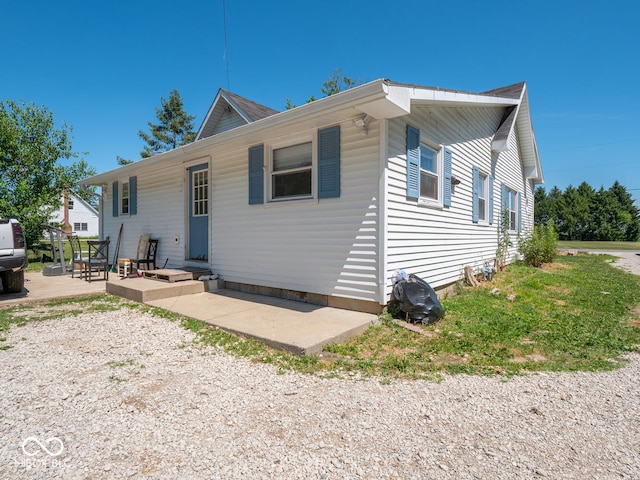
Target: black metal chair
(98,259)
(150,256)
(76,255)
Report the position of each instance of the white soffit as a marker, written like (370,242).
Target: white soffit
(395,103)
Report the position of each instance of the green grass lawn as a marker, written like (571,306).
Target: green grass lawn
(577,245)
(579,313)
(35,255)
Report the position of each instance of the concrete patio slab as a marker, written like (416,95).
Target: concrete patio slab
(38,288)
(143,290)
(300,328)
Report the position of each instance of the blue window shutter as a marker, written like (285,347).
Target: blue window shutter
(475,193)
(329,162)
(116,199)
(256,175)
(133,195)
(491,199)
(448,163)
(519,200)
(413,162)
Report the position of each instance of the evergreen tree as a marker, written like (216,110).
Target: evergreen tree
(628,214)
(543,207)
(175,127)
(584,214)
(585,198)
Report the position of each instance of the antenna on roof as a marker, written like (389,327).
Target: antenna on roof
(226,56)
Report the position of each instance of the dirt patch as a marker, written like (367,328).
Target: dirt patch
(557,289)
(555,267)
(533,357)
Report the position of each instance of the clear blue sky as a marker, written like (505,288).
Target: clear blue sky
(102,66)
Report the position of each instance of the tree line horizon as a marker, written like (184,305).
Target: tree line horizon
(586,214)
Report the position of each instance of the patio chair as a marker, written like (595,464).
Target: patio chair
(150,256)
(97,260)
(76,255)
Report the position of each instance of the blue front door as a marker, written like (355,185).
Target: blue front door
(199,213)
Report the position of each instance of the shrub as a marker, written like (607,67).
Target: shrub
(539,245)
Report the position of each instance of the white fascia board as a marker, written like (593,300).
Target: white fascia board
(396,103)
(501,145)
(354,98)
(425,95)
(348,99)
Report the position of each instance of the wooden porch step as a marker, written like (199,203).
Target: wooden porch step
(168,275)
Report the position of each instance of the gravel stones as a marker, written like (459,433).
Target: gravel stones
(130,396)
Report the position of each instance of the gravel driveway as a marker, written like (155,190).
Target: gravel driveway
(127,395)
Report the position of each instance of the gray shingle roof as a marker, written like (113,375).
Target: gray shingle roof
(254,111)
(510,91)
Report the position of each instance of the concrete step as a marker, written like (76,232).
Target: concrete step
(143,290)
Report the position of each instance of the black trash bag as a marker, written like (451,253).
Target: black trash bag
(417,299)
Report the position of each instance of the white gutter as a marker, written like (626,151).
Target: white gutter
(356,98)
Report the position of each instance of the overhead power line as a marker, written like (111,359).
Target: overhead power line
(226,53)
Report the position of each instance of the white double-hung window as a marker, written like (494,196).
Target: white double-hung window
(482,197)
(512,206)
(430,169)
(291,172)
(302,168)
(124,199)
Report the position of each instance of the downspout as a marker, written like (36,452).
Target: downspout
(382,210)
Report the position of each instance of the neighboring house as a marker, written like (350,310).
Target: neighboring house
(77,216)
(325,201)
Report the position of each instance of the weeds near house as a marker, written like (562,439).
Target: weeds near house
(539,245)
(504,240)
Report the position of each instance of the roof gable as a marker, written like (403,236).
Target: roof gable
(229,111)
(83,202)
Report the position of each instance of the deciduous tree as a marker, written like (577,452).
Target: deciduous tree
(32,180)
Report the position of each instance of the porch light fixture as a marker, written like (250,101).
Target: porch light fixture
(362,123)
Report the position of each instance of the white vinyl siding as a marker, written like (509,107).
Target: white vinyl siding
(161,196)
(345,246)
(228,121)
(327,246)
(436,244)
